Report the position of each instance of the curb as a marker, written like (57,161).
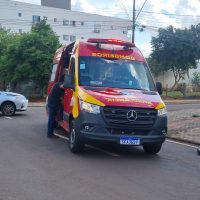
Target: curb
(36,106)
(181,102)
(39,104)
(183,140)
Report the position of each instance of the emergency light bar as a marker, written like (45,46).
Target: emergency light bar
(111,41)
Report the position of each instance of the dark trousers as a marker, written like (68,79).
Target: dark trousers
(52,109)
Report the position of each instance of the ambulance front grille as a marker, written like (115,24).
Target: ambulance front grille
(118,117)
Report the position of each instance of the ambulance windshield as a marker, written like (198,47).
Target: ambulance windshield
(115,73)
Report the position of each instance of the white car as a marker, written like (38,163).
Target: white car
(11,102)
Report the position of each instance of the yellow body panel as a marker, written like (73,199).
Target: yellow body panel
(88,98)
(160,105)
(79,93)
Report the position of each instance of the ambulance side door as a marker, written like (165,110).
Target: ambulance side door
(69,94)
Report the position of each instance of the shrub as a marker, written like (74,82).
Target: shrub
(196,81)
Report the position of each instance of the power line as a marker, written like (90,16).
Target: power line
(145,11)
(140,9)
(61,11)
(170,14)
(123,6)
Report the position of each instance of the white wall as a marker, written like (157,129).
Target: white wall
(167,78)
(9,19)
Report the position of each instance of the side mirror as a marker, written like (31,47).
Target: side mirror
(69,82)
(159,87)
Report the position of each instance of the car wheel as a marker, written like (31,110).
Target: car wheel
(75,143)
(8,109)
(152,148)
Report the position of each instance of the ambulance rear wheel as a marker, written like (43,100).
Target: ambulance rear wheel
(152,148)
(75,143)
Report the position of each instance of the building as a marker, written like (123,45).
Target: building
(68,25)
(63,4)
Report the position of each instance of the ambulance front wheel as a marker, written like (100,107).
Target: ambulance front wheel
(152,148)
(75,143)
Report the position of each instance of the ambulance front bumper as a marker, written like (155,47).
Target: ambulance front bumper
(93,127)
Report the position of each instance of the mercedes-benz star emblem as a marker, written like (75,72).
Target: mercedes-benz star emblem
(131,115)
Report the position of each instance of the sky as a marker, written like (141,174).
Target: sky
(155,14)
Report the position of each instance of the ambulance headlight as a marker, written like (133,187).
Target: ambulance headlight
(162,111)
(88,107)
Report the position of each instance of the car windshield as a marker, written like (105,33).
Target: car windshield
(115,73)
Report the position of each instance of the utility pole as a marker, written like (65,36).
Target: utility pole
(133,25)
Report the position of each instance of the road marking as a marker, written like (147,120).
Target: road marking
(92,147)
(103,151)
(8,117)
(61,136)
(182,143)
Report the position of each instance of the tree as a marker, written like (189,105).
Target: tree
(175,50)
(6,39)
(195,31)
(29,58)
(155,67)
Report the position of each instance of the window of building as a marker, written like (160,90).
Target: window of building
(19,14)
(97,28)
(36,18)
(112,27)
(82,38)
(72,23)
(66,37)
(65,22)
(55,20)
(82,23)
(20,30)
(125,31)
(72,38)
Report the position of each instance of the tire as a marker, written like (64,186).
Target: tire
(75,143)
(198,150)
(8,109)
(152,148)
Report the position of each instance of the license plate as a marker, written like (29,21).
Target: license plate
(129,141)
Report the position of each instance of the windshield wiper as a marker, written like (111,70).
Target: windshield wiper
(136,89)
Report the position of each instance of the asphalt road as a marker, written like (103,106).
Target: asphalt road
(33,167)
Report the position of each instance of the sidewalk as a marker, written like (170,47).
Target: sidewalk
(182,125)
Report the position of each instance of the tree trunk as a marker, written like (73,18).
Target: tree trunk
(174,86)
(175,77)
(178,75)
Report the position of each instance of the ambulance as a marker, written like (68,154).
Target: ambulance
(110,95)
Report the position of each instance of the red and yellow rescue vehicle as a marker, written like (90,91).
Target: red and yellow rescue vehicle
(110,95)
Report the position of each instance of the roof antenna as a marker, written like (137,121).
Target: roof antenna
(113,50)
(98,45)
(126,48)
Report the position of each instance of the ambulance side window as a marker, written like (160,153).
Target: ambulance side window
(53,73)
(72,68)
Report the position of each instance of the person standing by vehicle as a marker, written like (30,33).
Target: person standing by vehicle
(54,101)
